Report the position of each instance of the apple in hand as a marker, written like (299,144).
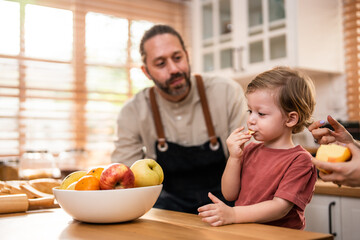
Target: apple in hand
(116,175)
(332,153)
(147,173)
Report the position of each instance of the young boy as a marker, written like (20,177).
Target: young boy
(271,181)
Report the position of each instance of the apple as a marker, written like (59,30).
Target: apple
(147,173)
(116,175)
(332,153)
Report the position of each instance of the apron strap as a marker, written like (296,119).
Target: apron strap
(214,145)
(162,145)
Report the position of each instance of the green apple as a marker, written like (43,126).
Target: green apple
(147,173)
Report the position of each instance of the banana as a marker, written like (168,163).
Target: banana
(72,177)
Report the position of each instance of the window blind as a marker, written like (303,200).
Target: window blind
(66,68)
(351,14)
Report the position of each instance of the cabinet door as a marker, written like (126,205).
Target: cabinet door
(216,25)
(322,215)
(266,33)
(350,216)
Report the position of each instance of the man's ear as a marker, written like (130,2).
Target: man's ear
(145,71)
(292,119)
(187,56)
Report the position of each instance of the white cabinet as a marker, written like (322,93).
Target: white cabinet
(350,212)
(333,214)
(240,38)
(322,214)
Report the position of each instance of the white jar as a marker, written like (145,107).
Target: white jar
(38,164)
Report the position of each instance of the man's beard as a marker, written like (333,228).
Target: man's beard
(178,89)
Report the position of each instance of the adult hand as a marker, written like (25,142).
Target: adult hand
(217,213)
(344,173)
(326,136)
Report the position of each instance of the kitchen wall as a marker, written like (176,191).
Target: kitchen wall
(330,87)
(330,100)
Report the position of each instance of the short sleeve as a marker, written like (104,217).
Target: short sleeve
(297,185)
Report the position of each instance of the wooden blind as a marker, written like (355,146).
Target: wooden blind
(351,14)
(62,83)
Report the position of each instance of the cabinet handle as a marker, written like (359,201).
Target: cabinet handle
(330,221)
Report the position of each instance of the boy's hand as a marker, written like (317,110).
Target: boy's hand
(217,213)
(236,142)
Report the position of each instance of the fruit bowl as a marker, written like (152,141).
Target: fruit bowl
(108,206)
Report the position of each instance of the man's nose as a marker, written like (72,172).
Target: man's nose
(172,67)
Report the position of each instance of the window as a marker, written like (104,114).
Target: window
(67,67)
(351,13)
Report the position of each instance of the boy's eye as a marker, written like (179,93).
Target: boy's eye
(249,111)
(261,114)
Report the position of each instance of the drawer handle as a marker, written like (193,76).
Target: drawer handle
(330,221)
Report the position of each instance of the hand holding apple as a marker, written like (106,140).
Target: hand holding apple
(116,175)
(147,173)
(332,153)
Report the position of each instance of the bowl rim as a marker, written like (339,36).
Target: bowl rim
(108,190)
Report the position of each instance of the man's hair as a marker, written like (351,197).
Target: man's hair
(295,91)
(154,31)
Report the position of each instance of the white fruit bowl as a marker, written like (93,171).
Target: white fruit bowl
(108,206)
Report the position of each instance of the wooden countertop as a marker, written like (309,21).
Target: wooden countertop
(329,188)
(156,224)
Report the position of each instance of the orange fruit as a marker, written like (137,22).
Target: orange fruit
(96,172)
(88,182)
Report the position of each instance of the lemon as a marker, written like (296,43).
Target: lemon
(72,177)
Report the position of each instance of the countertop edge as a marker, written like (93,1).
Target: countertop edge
(329,188)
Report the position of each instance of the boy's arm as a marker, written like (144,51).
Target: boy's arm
(263,212)
(230,181)
(219,213)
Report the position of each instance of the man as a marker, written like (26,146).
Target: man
(175,125)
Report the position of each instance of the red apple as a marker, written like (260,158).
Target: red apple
(116,175)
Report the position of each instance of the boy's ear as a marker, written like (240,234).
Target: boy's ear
(293,119)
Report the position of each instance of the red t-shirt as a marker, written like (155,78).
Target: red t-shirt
(285,173)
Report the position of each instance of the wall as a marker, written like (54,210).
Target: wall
(330,100)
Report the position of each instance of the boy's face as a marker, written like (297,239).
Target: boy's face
(265,117)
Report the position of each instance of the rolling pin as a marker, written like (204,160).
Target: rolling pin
(20,203)
(13,203)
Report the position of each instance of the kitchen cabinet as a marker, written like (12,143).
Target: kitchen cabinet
(350,218)
(334,214)
(240,38)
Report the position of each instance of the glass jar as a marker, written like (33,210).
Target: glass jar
(71,160)
(38,164)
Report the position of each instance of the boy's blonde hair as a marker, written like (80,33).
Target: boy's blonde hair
(295,92)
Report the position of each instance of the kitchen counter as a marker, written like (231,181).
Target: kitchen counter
(329,188)
(156,224)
